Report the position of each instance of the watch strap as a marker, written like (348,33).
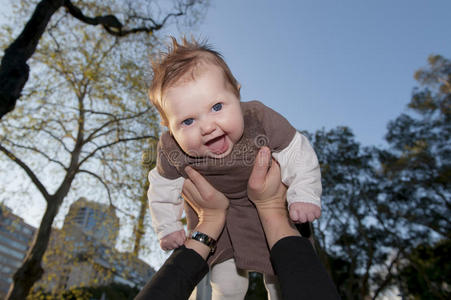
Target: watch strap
(204,239)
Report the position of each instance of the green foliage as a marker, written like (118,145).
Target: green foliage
(351,240)
(341,270)
(113,291)
(418,163)
(428,273)
(384,209)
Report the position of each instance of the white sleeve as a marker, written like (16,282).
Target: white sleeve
(300,171)
(166,203)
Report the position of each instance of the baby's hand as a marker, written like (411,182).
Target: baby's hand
(302,212)
(173,240)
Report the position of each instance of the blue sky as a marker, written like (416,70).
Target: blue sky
(330,63)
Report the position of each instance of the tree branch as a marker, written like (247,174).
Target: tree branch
(27,170)
(388,277)
(14,70)
(107,189)
(113,26)
(137,138)
(101,181)
(114,120)
(39,152)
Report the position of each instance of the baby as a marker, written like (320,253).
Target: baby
(210,130)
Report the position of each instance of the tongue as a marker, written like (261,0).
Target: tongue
(217,145)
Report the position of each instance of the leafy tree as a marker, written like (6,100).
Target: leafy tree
(432,260)
(382,208)
(113,291)
(118,18)
(84,115)
(351,241)
(416,206)
(418,162)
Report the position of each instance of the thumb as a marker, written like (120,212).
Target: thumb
(260,169)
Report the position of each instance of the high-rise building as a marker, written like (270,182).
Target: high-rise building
(93,219)
(15,238)
(83,252)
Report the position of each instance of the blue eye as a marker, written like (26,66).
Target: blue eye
(188,122)
(217,107)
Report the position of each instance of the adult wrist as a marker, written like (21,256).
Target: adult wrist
(212,228)
(276,224)
(272,211)
(204,239)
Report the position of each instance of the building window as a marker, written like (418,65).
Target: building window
(8,261)
(13,243)
(12,252)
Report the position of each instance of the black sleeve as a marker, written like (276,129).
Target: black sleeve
(177,278)
(301,274)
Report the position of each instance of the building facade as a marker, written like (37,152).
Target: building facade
(15,239)
(83,254)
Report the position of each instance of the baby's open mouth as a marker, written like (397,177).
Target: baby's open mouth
(218,145)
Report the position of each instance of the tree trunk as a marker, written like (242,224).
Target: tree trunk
(14,70)
(31,269)
(139,229)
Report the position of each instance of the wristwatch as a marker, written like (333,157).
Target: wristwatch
(204,239)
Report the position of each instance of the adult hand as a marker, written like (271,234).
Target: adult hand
(265,187)
(268,193)
(209,204)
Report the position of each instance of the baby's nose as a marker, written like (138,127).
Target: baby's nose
(207,127)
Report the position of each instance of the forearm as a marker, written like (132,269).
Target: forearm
(276,224)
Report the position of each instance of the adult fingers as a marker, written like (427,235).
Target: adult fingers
(190,193)
(274,172)
(260,169)
(205,189)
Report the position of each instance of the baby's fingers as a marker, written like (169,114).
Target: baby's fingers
(181,239)
(297,216)
(311,217)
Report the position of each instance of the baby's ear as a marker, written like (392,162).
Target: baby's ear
(238,86)
(164,122)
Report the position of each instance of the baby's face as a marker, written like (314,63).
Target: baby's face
(204,114)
